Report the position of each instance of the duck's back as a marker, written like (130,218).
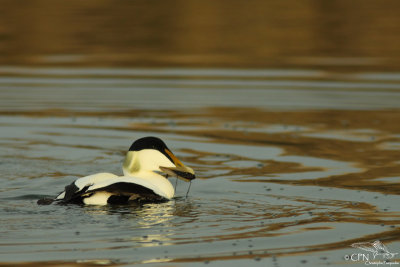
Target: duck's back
(107,188)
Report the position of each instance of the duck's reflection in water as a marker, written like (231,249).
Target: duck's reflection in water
(144,226)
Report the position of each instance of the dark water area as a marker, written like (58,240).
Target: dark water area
(360,34)
(288,112)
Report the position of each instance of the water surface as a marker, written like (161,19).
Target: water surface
(293,166)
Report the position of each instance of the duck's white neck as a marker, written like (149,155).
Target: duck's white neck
(146,160)
(140,166)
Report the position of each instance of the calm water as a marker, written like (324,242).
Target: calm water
(288,111)
(294,165)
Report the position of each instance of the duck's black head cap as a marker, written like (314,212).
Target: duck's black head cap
(149,142)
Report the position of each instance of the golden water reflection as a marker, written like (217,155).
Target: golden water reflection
(338,33)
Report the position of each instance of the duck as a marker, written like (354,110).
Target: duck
(146,168)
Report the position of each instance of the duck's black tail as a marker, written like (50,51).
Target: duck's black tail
(45,201)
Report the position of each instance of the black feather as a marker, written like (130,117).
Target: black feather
(121,193)
(74,195)
(150,142)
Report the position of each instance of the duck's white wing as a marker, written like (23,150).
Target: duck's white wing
(81,184)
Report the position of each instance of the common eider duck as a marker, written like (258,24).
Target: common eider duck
(145,162)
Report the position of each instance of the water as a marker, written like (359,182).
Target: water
(288,112)
(291,170)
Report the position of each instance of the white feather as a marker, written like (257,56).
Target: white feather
(61,196)
(89,180)
(153,181)
(138,168)
(144,160)
(94,179)
(98,198)
(159,184)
